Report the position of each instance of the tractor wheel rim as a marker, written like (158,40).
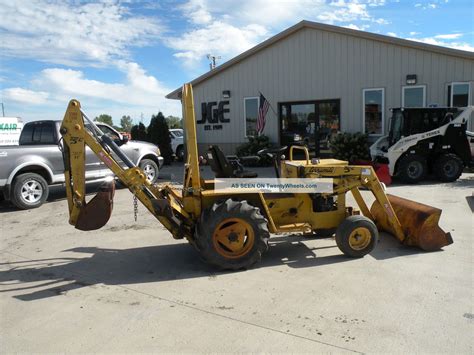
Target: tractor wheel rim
(415,169)
(233,238)
(149,172)
(360,238)
(31,191)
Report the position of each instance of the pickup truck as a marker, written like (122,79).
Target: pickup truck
(28,169)
(177,142)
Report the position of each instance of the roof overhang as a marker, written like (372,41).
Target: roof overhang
(176,94)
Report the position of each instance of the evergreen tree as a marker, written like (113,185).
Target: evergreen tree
(138,132)
(159,134)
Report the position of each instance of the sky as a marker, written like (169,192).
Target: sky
(123,57)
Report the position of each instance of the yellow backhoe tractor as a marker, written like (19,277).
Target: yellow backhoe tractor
(231,230)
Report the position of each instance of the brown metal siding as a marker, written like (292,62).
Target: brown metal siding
(313,64)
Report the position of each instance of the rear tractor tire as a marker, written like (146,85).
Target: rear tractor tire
(356,236)
(232,235)
(448,167)
(412,168)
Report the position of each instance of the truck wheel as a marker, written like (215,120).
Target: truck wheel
(232,235)
(150,169)
(412,168)
(180,153)
(448,167)
(29,190)
(356,236)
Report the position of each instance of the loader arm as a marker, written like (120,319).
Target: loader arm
(412,223)
(351,178)
(161,201)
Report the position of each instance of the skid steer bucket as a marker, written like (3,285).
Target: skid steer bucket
(96,213)
(419,223)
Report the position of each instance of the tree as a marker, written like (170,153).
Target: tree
(138,132)
(107,119)
(174,122)
(159,134)
(126,123)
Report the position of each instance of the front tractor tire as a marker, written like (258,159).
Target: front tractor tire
(232,235)
(356,236)
(448,167)
(412,168)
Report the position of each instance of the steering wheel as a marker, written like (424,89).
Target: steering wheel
(271,152)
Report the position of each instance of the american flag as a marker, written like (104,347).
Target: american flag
(262,112)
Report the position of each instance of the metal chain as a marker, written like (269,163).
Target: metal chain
(135,202)
(135,207)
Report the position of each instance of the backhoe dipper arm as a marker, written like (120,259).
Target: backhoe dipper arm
(94,214)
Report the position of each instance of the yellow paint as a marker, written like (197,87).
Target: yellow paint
(360,238)
(233,238)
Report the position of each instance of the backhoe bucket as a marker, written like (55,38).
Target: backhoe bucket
(96,213)
(419,223)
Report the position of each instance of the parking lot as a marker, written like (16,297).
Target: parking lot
(131,287)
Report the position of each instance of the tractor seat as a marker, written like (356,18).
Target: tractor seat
(225,168)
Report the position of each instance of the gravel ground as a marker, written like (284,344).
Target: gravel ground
(130,287)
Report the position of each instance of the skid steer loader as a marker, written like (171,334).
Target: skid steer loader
(423,140)
(231,230)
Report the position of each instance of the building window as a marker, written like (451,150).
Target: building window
(414,96)
(374,108)
(251,113)
(458,94)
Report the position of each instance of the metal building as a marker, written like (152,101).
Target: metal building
(320,79)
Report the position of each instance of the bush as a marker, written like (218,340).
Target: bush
(350,147)
(253,146)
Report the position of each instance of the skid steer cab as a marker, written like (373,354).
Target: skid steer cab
(231,230)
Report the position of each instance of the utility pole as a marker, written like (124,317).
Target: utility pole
(212,58)
(3,110)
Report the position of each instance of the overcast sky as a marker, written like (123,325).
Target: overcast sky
(123,57)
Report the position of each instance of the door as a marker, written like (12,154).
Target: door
(328,113)
(298,124)
(310,123)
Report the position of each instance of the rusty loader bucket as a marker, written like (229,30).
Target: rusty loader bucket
(419,223)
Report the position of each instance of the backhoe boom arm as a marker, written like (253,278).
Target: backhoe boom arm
(93,215)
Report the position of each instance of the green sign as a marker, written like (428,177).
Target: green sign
(8,126)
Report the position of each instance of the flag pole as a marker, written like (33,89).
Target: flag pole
(270,105)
